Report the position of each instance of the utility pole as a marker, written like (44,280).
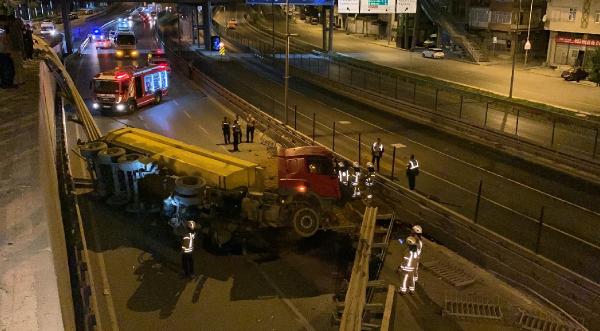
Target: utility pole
(528,44)
(515,47)
(67,26)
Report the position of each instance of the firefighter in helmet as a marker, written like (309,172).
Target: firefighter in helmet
(407,267)
(356,175)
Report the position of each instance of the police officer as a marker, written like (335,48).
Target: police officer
(250,129)
(187,249)
(370,179)
(356,179)
(237,134)
(417,232)
(412,171)
(377,151)
(226,130)
(407,267)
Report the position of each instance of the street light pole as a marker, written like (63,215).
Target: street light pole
(528,44)
(512,75)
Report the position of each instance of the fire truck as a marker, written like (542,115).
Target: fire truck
(124,89)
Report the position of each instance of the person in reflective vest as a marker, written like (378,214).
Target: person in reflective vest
(237,133)
(370,179)
(417,232)
(412,171)
(187,249)
(343,173)
(356,180)
(377,152)
(407,267)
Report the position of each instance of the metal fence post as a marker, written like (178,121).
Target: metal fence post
(359,148)
(553,129)
(333,138)
(295,117)
(517,124)
(436,99)
(414,93)
(595,145)
(478,201)
(487,106)
(461,107)
(313,128)
(539,235)
(393,161)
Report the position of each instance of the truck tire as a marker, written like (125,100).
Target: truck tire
(131,106)
(189,185)
(305,222)
(157,97)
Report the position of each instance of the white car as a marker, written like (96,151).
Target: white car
(433,53)
(47,29)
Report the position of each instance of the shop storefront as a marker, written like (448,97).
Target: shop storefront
(571,48)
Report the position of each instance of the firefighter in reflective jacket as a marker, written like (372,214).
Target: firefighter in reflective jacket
(187,249)
(356,179)
(412,171)
(417,232)
(407,268)
(343,173)
(370,179)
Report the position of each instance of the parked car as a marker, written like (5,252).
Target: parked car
(47,29)
(73,16)
(88,12)
(429,43)
(57,20)
(314,21)
(232,23)
(574,74)
(433,53)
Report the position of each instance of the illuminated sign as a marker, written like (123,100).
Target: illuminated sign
(292,2)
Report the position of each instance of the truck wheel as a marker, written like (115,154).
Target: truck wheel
(305,222)
(131,106)
(157,98)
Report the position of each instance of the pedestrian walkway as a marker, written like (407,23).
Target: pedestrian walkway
(548,88)
(34,278)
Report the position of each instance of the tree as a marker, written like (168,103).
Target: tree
(594,65)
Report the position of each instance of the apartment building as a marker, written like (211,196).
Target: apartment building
(574,27)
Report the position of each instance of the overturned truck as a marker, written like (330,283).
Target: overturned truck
(149,173)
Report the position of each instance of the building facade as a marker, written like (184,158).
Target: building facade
(574,27)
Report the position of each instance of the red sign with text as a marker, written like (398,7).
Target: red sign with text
(578,41)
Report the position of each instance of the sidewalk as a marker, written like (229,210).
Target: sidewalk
(529,84)
(34,276)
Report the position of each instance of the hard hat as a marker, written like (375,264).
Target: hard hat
(411,240)
(417,229)
(356,164)
(341,164)
(191,225)
(369,164)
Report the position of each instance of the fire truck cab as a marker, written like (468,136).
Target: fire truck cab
(125,89)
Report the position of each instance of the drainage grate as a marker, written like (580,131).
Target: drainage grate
(543,322)
(472,307)
(449,273)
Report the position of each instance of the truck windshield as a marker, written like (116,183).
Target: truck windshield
(319,165)
(125,39)
(106,86)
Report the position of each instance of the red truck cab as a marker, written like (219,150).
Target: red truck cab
(307,170)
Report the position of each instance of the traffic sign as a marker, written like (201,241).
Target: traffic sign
(406,7)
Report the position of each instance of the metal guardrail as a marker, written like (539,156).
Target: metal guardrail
(442,222)
(68,86)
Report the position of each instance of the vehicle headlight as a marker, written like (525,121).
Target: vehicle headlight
(94,37)
(119,53)
(95,105)
(134,52)
(120,107)
(53,32)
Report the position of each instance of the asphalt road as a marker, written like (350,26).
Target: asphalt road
(513,191)
(529,85)
(136,261)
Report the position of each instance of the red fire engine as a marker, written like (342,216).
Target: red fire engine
(127,88)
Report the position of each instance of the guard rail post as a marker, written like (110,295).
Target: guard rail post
(396,89)
(517,124)
(333,138)
(478,201)
(414,93)
(436,99)
(393,162)
(461,107)
(313,127)
(487,107)
(553,129)
(539,234)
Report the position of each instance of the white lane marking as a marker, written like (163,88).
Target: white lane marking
(305,323)
(187,114)
(344,122)
(398,145)
(175,102)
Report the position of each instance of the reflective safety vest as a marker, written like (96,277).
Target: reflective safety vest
(356,180)
(188,243)
(413,164)
(409,261)
(377,148)
(370,180)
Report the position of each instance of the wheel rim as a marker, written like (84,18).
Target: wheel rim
(306,222)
